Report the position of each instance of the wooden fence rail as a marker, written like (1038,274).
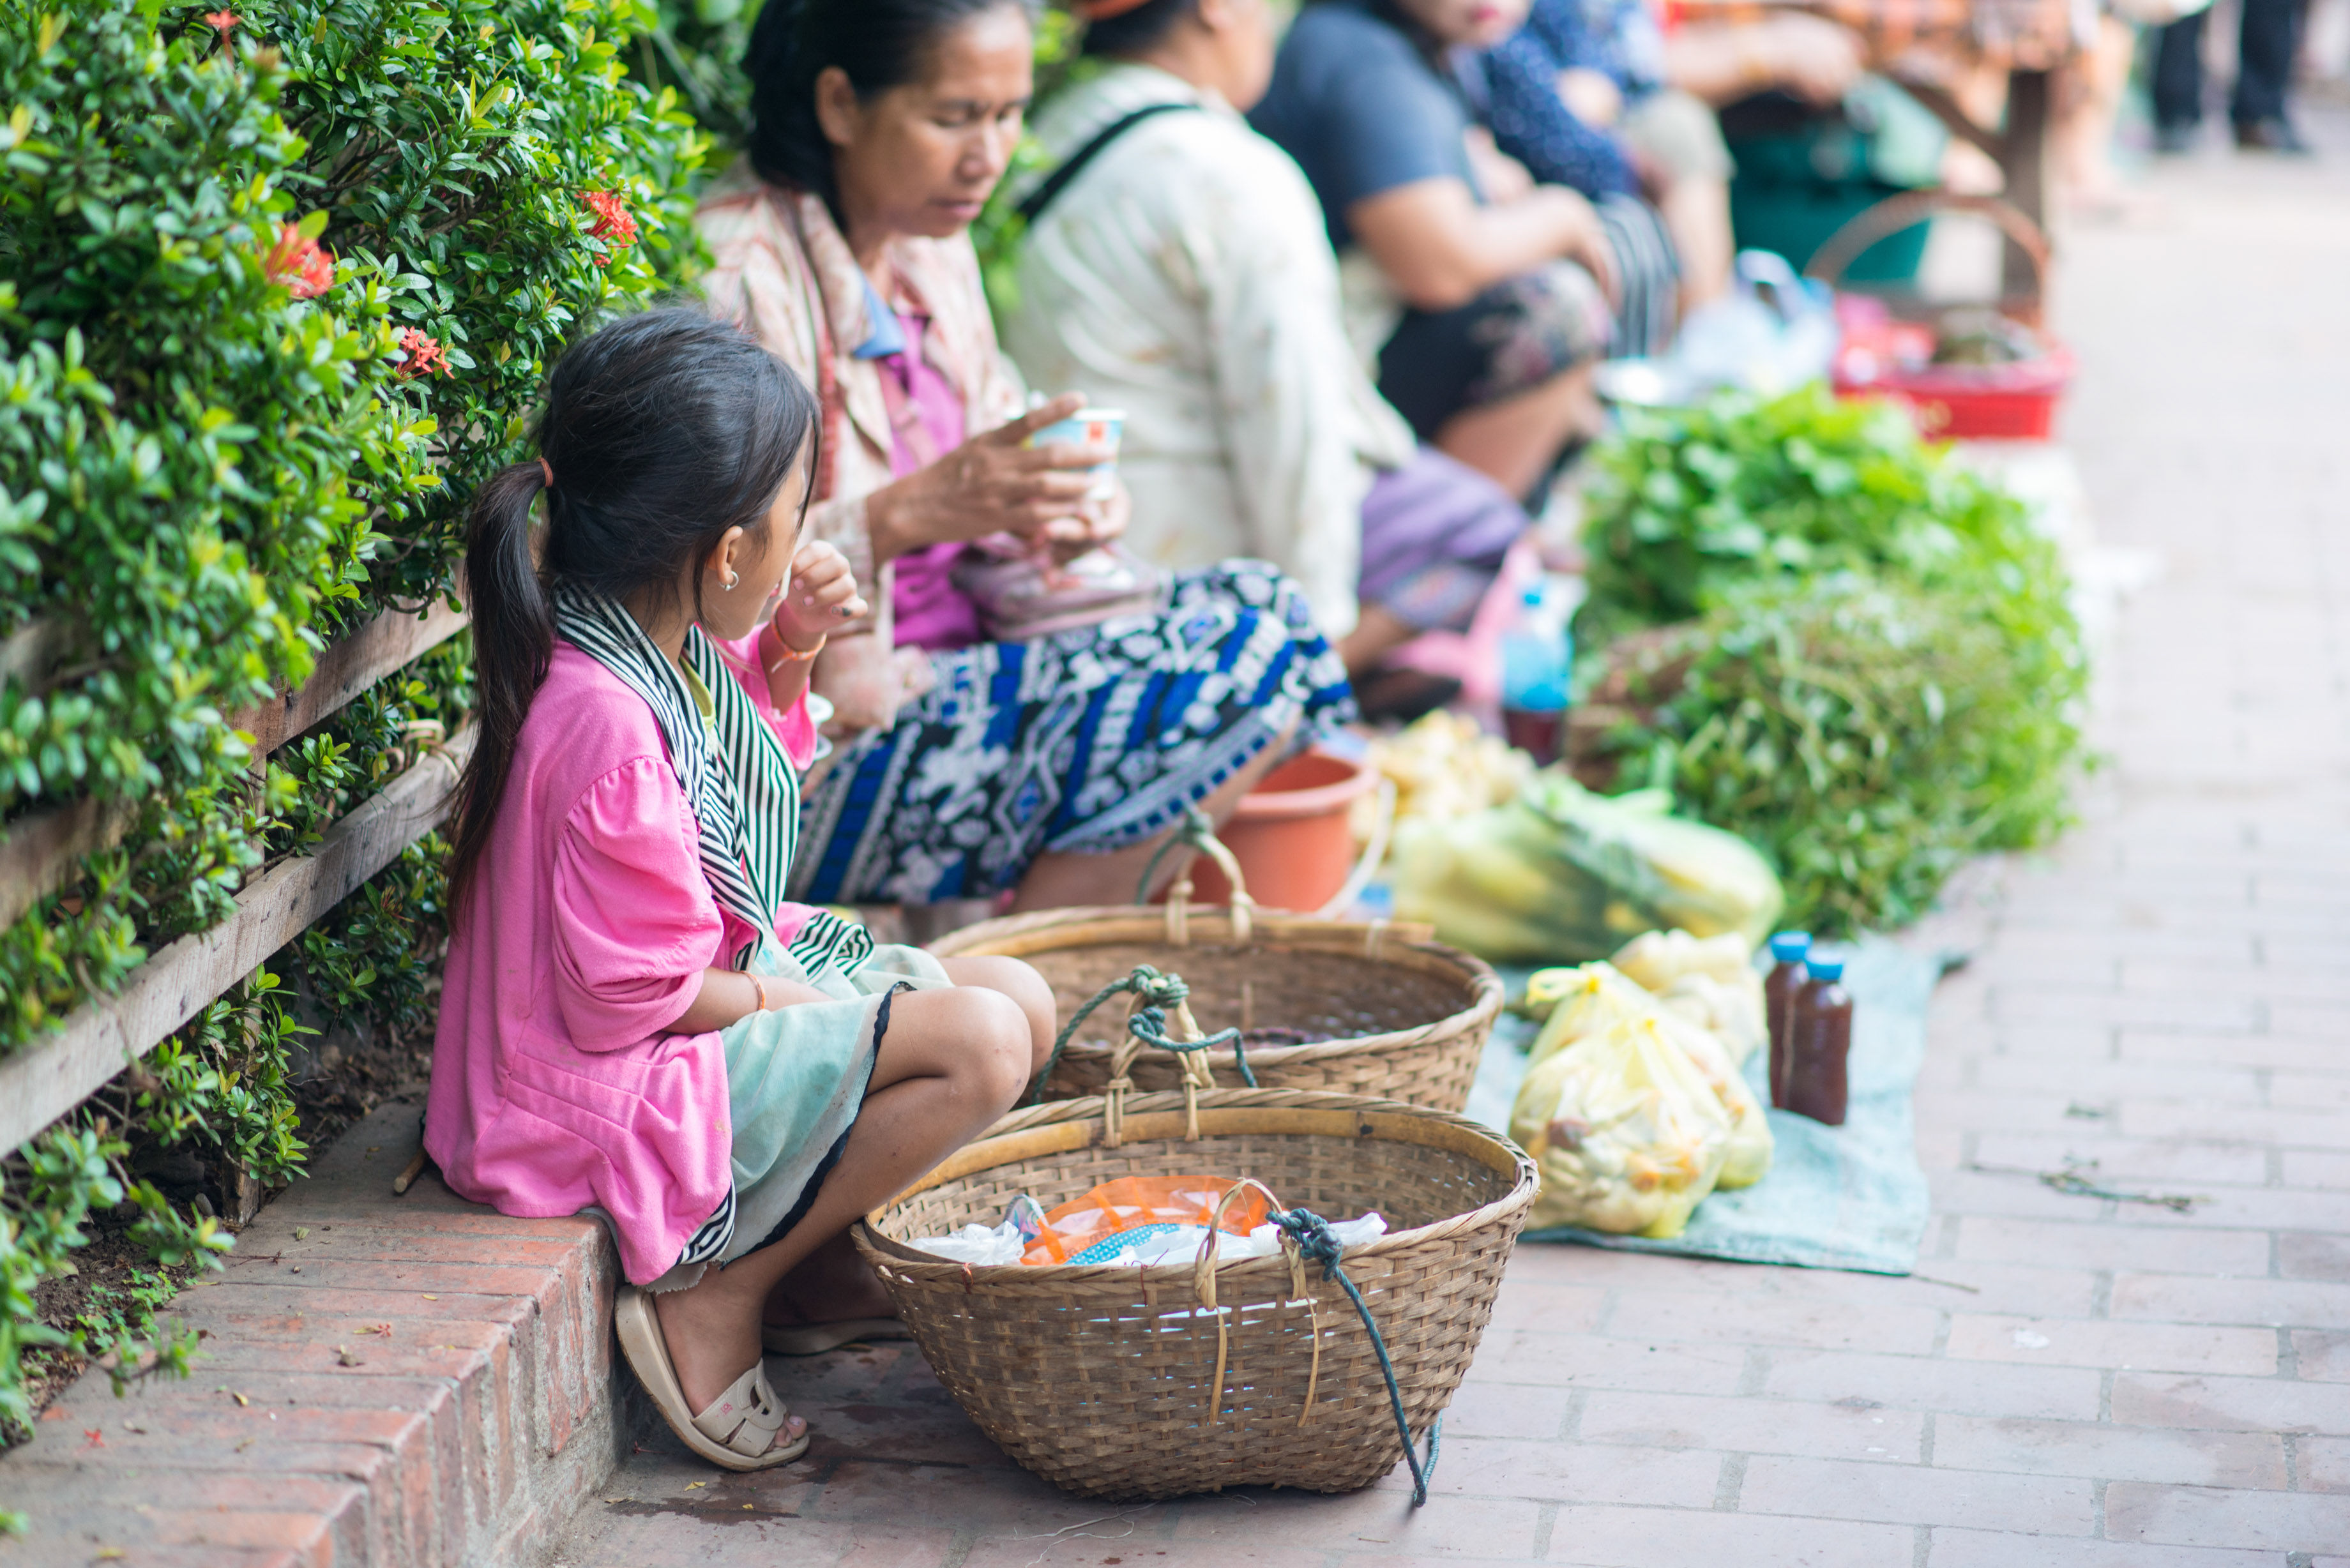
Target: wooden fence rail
(43,850)
(52,1075)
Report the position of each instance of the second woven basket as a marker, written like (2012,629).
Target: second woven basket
(1123,1381)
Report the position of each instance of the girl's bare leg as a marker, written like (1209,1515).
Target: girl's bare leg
(1060,880)
(953,1062)
(833,1283)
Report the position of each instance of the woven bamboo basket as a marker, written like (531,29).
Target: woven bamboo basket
(1122,1382)
(1362,1007)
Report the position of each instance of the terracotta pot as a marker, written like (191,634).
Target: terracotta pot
(1292,835)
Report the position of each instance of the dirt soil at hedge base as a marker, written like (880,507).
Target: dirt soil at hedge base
(350,1076)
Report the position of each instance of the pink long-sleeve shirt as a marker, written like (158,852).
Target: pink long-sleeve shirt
(557,1080)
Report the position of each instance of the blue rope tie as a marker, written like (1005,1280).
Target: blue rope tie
(1314,1242)
(1158,994)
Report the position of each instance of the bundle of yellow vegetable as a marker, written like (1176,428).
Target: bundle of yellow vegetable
(1559,874)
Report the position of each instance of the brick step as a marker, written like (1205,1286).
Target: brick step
(410,1382)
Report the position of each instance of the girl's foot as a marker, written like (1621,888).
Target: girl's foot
(833,1285)
(712,1335)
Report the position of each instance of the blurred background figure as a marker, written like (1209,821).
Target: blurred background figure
(1176,265)
(1486,297)
(2268,43)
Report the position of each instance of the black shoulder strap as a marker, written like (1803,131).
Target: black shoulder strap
(1043,195)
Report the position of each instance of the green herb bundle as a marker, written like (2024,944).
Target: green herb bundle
(1862,659)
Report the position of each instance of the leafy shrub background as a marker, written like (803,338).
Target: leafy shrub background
(211,465)
(1821,635)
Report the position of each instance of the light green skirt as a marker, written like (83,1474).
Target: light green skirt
(795,1077)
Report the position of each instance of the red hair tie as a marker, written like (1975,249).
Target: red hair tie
(547,474)
(1103,10)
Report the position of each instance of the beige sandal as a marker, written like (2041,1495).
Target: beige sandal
(737,1428)
(815,1338)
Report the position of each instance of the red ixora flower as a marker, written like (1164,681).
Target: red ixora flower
(301,264)
(612,226)
(222,20)
(425,356)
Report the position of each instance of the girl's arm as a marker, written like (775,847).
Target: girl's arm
(728,996)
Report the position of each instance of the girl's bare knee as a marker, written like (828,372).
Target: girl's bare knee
(997,1048)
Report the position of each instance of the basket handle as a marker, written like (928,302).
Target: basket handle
(1203,1286)
(1198,836)
(1894,213)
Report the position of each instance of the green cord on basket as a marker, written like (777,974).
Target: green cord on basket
(1312,1234)
(1157,992)
(1197,833)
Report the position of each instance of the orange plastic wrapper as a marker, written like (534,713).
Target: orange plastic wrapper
(1135,1202)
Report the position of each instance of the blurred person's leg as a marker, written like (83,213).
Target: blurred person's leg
(1678,142)
(2268,45)
(2090,103)
(1504,383)
(2178,84)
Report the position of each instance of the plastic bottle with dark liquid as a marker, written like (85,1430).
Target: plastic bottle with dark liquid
(1788,950)
(1819,1043)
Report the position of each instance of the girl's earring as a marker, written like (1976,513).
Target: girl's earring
(732,578)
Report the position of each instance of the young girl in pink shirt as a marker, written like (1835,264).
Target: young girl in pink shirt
(636,1024)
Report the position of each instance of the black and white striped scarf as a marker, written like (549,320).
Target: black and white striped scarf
(742,786)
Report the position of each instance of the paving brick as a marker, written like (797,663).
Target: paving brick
(1549,1309)
(1587,1361)
(1377,1522)
(2109,1244)
(2098,1080)
(2084,1342)
(1955,1548)
(1823,1325)
(2102,1450)
(2321,1355)
(1751,1425)
(1591,1537)
(1507,1410)
(1918,1494)
(2135,1159)
(2267,1049)
(2303,1169)
(2230,1404)
(1918,1383)
(2301,1255)
(2278,1303)
(1091,1550)
(1572,1472)
(2209,1516)
(2321,1464)
(2284,1128)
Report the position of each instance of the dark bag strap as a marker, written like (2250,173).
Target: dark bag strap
(1043,195)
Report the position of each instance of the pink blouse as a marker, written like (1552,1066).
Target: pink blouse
(557,1082)
(927,421)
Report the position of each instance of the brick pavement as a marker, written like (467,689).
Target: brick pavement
(2070,1382)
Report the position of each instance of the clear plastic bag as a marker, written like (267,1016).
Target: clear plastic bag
(1626,1133)
(1712,980)
(1561,875)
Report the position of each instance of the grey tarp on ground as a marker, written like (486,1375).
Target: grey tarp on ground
(1836,1198)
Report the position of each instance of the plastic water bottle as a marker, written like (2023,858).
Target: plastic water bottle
(1537,660)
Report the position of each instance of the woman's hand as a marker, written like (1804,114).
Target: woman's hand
(1092,526)
(992,484)
(1585,240)
(820,593)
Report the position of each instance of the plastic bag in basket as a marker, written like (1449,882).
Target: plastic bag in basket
(1627,1134)
(1097,1226)
(1711,978)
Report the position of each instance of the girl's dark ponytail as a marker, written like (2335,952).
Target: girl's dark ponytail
(660,433)
(514,637)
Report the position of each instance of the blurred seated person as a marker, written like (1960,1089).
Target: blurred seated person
(1175,265)
(1580,96)
(1487,309)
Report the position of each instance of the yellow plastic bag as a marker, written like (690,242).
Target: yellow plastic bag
(1712,980)
(1626,1133)
(1595,997)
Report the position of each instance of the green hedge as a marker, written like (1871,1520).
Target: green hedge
(278,287)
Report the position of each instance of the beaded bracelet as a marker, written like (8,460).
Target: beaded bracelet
(758,986)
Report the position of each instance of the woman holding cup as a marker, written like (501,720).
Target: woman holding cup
(969,765)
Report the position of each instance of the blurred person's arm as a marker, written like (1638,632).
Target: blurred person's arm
(1439,249)
(1809,57)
